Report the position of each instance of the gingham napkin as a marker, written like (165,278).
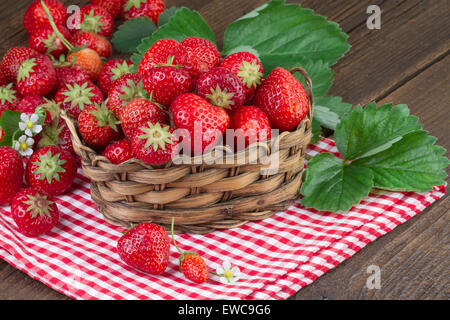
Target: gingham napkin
(276,257)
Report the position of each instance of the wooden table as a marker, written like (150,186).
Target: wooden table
(406,61)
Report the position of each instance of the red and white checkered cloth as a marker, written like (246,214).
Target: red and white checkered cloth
(278,256)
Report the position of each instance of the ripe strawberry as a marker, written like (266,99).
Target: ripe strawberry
(11,61)
(35,16)
(44,40)
(166,83)
(89,60)
(70,74)
(113,70)
(56,133)
(251,125)
(93,41)
(119,152)
(248,68)
(138,113)
(97,20)
(2,79)
(201,119)
(113,7)
(36,76)
(154,144)
(161,52)
(75,98)
(283,98)
(28,105)
(124,90)
(142,8)
(197,55)
(51,170)
(98,126)
(9,98)
(146,247)
(34,213)
(11,174)
(222,88)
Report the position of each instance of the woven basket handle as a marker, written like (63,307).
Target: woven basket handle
(309,85)
(76,140)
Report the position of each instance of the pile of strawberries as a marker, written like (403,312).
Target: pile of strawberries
(182,97)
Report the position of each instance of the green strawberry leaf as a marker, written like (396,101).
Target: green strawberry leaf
(365,132)
(9,122)
(286,33)
(131,32)
(331,185)
(329,110)
(166,15)
(320,73)
(412,164)
(316,131)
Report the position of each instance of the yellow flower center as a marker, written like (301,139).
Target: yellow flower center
(23,146)
(30,124)
(228,274)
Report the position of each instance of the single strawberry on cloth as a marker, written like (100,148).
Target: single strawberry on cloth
(269,259)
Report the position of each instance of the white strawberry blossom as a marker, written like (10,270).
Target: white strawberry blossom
(29,124)
(227,273)
(25,146)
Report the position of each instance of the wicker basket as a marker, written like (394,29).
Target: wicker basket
(202,197)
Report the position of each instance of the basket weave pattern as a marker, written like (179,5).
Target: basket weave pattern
(202,196)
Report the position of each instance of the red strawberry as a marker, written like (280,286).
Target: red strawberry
(113,70)
(113,7)
(9,98)
(36,76)
(198,56)
(11,174)
(97,20)
(154,144)
(201,119)
(89,60)
(253,126)
(138,113)
(248,68)
(161,52)
(98,126)
(221,88)
(145,247)
(93,41)
(164,84)
(283,98)
(2,134)
(34,213)
(119,152)
(11,61)
(28,105)
(75,98)
(142,8)
(124,90)
(55,134)
(70,75)
(44,40)
(35,16)
(51,170)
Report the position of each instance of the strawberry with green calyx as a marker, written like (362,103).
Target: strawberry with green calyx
(35,16)
(142,8)
(124,90)
(11,61)
(161,52)
(36,76)
(192,265)
(30,104)
(75,98)
(51,170)
(9,98)
(68,73)
(55,134)
(44,40)
(98,126)
(113,70)
(97,20)
(35,213)
(93,41)
(11,174)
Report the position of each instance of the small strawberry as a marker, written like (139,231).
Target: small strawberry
(124,90)
(44,40)
(11,61)
(192,265)
(154,144)
(201,119)
(198,56)
(222,88)
(138,113)
(55,134)
(119,152)
(34,213)
(35,16)
(146,247)
(29,104)
(142,8)
(70,74)
(283,98)
(89,60)
(251,125)
(97,20)
(248,68)
(160,52)
(36,76)
(98,126)
(75,98)
(51,170)
(9,98)
(113,70)
(113,7)
(11,174)
(166,83)
(93,41)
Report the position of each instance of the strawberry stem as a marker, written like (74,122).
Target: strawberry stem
(68,45)
(173,237)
